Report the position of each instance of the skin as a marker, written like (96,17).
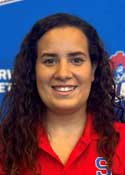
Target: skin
(63,69)
(63,60)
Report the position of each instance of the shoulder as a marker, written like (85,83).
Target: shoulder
(120,127)
(119,157)
(120,151)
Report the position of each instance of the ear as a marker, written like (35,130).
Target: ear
(94,66)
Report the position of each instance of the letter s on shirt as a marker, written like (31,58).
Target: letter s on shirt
(101,164)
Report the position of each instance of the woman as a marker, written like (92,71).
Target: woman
(58,117)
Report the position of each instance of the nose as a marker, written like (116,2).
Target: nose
(63,71)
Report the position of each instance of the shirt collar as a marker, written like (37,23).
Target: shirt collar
(88,134)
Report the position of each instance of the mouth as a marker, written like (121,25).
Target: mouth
(64,90)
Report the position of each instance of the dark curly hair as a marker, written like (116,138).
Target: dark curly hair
(22,107)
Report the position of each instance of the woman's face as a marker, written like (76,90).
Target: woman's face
(64,72)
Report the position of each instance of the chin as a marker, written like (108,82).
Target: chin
(62,109)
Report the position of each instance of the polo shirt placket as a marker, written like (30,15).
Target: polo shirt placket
(79,150)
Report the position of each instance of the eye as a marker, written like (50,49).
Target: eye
(77,60)
(50,61)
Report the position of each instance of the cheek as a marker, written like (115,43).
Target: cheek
(39,78)
(41,75)
(43,81)
(42,87)
(86,77)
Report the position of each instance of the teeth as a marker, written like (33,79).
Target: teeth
(64,89)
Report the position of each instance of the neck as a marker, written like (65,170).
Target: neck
(65,122)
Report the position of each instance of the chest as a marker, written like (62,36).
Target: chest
(64,146)
(82,161)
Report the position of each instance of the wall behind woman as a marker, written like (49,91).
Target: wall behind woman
(17,17)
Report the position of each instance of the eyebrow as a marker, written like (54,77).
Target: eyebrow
(69,54)
(77,53)
(48,54)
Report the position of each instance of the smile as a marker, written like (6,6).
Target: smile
(64,90)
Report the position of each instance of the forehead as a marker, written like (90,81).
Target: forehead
(63,36)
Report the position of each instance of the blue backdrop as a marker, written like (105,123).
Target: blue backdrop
(106,16)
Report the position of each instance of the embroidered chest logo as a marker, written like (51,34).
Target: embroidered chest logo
(101,165)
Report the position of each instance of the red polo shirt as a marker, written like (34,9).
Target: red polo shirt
(83,160)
